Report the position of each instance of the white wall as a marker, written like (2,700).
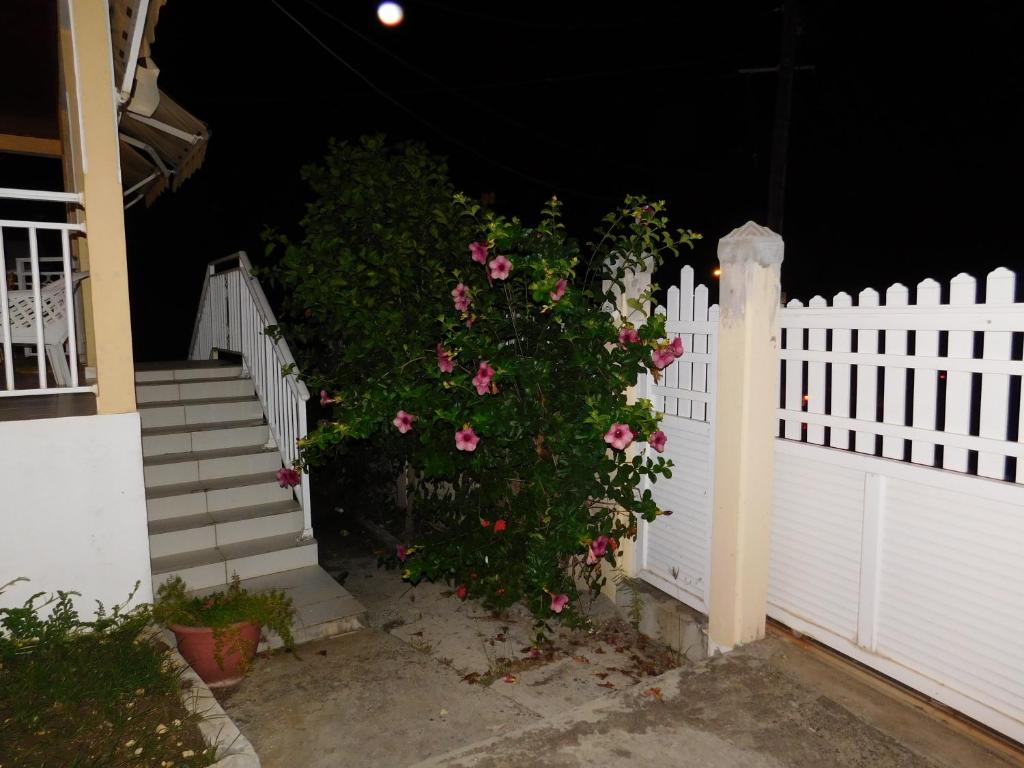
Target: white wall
(73,509)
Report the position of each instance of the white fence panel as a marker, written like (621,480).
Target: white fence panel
(793,390)
(926,383)
(895,388)
(962,292)
(995,387)
(914,570)
(841,373)
(674,551)
(815,550)
(867,376)
(911,570)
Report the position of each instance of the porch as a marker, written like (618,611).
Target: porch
(135,473)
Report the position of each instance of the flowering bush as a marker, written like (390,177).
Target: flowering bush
(506,392)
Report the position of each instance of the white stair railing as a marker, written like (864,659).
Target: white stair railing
(40,315)
(233,316)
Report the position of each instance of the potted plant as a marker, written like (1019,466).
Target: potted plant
(218,633)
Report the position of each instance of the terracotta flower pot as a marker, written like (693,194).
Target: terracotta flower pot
(238,648)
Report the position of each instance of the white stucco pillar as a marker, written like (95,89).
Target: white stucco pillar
(748,376)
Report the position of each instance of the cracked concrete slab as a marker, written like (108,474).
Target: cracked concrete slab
(408,692)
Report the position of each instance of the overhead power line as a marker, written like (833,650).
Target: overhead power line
(575,148)
(424,121)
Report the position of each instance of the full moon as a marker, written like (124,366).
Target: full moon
(390,14)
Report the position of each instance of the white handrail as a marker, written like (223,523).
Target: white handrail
(43,319)
(233,316)
(41,195)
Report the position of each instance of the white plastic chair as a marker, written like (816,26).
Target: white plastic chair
(22,307)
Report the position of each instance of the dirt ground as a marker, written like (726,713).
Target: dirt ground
(433,681)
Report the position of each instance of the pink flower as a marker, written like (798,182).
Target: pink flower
(482,380)
(558,602)
(619,436)
(479,251)
(401,553)
(677,346)
(559,291)
(325,399)
(460,296)
(657,441)
(403,421)
(466,439)
(461,591)
(591,557)
(485,523)
(499,526)
(288,477)
(662,357)
(444,360)
(599,545)
(499,268)
(628,336)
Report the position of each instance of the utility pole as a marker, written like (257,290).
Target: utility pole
(783,116)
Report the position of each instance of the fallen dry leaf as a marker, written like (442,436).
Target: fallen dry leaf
(606,685)
(655,692)
(581,659)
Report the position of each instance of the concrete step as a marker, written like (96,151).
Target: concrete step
(204,496)
(175,535)
(188,412)
(173,468)
(199,389)
(186,371)
(215,566)
(323,608)
(157,441)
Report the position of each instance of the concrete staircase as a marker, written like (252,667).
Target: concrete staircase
(215,507)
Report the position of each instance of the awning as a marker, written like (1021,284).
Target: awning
(160,147)
(171,145)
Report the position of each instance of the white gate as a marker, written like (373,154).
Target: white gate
(673,553)
(898,515)
(898,501)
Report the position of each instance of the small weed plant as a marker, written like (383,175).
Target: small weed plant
(77,693)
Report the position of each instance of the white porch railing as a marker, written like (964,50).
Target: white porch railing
(233,316)
(40,316)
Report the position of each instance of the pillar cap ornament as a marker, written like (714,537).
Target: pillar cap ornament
(751,243)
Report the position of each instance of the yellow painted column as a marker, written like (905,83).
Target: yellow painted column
(745,423)
(104,207)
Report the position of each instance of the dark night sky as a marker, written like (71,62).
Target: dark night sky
(905,144)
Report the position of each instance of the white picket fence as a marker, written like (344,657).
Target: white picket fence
(675,555)
(915,373)
(898,509)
